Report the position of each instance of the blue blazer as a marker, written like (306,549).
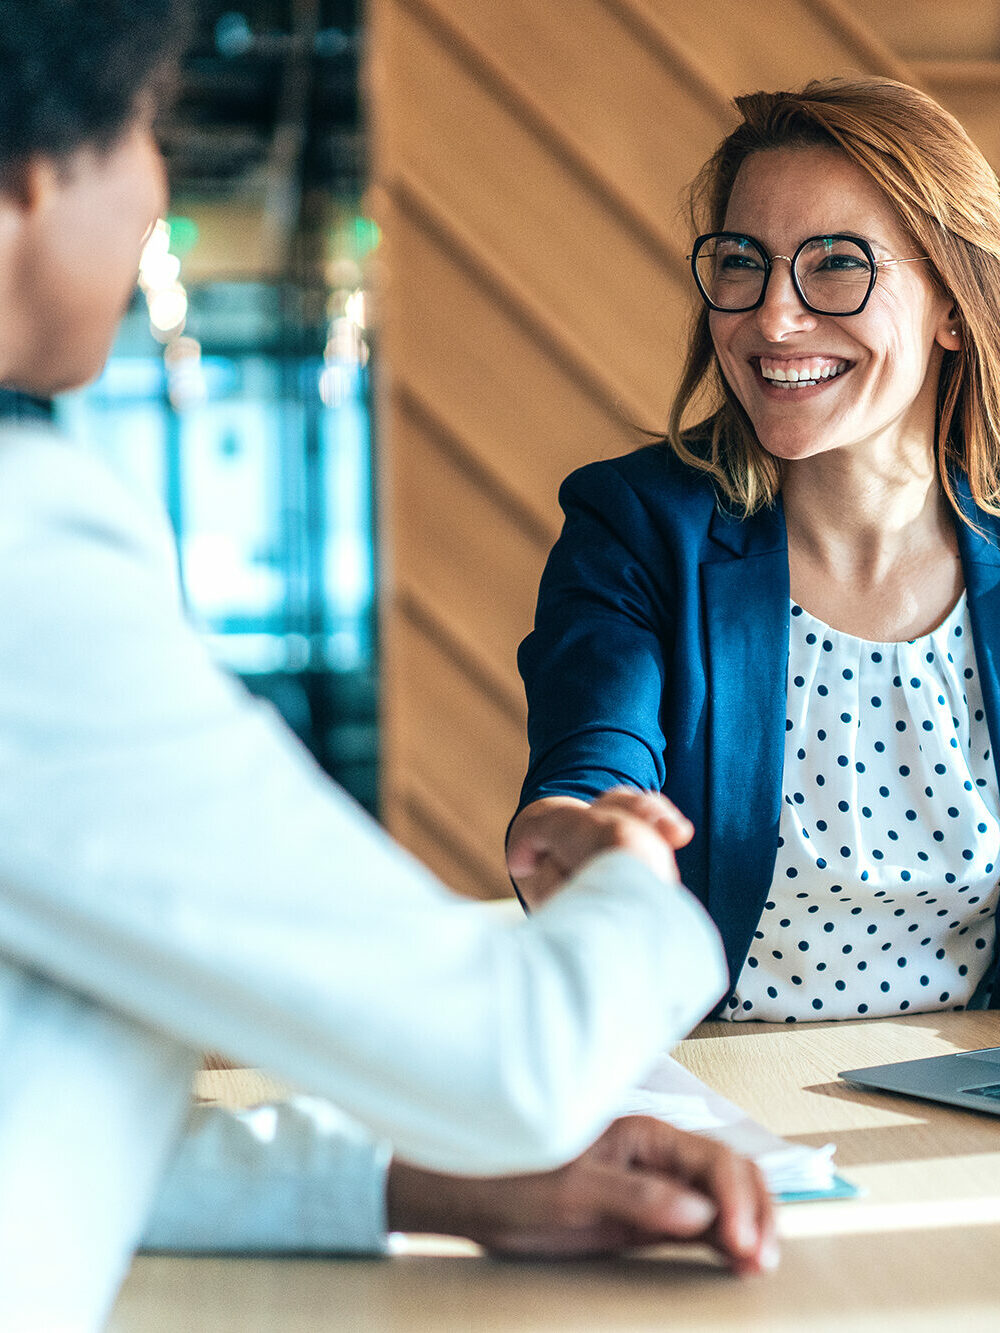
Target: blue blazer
(659,659)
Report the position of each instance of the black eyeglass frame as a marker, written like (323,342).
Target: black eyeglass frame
(859,241)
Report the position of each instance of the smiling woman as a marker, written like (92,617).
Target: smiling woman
(783,617)
(882,350)
(924,177)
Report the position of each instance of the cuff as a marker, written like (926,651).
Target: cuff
(289,1177)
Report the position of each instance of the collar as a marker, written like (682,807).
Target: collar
(763,533)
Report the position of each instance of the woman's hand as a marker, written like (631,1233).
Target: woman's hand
(642,1183)
(553,837)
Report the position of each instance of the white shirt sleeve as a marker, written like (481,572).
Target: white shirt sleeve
(178,875)
(90,1106)
(296,1176)
(168,848)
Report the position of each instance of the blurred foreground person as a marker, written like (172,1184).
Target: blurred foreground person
(176,875)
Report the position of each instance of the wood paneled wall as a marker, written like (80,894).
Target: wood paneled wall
(529,164)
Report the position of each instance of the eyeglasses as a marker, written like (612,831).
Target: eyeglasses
(832,275)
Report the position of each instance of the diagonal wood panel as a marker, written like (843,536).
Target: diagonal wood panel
(530,167)
(474,779)
(481,166)
(428,829)
(590,124)
(497,385)
(960,30)
(456,548)
(970,91)
(778,45)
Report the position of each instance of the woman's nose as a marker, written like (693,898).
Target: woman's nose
(782,312)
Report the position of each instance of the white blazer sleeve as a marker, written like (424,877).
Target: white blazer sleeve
(168,849)
(287,1177)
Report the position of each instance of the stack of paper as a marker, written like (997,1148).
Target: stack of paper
(792,1170)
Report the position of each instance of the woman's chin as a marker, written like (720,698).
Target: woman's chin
(788,448)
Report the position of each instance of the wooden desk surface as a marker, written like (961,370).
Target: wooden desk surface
(918,1252)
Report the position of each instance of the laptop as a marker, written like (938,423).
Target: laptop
(970,1079)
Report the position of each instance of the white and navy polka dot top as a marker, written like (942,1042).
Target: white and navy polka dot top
(885,884)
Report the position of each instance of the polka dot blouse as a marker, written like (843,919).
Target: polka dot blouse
(885,883)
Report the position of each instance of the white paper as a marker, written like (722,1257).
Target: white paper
(672,1093)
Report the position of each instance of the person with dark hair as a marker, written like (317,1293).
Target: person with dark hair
(74,74)
(176,874)
(785,617)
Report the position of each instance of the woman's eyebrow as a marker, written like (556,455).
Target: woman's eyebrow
(871,237)
(851,232)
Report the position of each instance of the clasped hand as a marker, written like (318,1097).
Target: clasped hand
(643,1181)
(555,836)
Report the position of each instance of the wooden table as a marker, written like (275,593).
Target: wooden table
(921,1251)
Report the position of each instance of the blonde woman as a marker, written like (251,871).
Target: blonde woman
(787,617)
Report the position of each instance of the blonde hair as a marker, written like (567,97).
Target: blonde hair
(945,194)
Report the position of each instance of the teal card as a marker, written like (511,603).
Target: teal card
(839,1189)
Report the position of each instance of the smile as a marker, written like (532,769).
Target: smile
(802,373)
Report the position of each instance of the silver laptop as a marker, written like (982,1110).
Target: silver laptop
(970,1079)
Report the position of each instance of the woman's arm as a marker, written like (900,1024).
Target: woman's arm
(594,666)
(595,676)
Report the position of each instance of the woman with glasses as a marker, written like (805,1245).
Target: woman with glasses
(786,618)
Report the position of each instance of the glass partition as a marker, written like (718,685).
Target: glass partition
(255,434)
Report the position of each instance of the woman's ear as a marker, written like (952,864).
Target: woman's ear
(949,331)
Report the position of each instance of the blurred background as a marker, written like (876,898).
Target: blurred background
(476,208)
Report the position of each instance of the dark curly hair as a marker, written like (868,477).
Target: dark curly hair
(73,71)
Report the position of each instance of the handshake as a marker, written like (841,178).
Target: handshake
(555,836)
(642,1181)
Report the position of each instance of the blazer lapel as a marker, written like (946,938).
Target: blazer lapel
(981,564)
(745,596)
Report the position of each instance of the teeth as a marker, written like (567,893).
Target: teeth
(806,374)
